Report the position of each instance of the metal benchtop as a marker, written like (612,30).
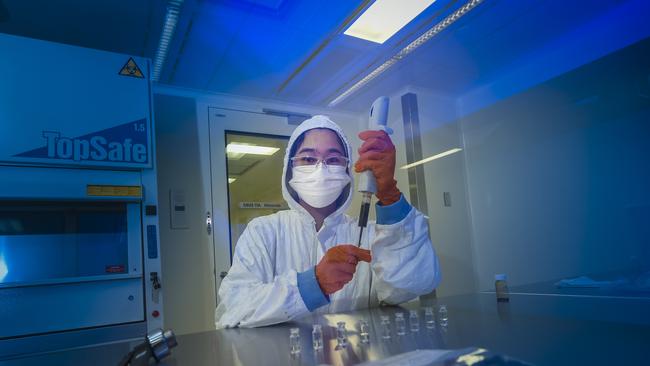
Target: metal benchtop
(543,330)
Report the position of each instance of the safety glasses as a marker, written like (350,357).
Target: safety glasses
(330,161)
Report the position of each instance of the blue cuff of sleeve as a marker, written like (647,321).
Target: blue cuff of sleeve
(393,213)
(310,291)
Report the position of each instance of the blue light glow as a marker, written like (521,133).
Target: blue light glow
(4,271)
(3,268)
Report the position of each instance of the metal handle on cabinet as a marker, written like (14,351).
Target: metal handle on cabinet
(208,223)
(155,287)
(155,281)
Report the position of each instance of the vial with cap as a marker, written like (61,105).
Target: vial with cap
(414,321)
(501,287)
(294,340)
(363,331)
(317,337)
(400,324)
(429,318)
(385,326)
(341,335)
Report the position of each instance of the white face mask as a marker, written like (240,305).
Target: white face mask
(318,185)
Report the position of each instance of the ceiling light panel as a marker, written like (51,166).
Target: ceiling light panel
(384,18)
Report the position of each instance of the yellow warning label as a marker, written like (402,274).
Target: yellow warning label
(114,191)
(131,69)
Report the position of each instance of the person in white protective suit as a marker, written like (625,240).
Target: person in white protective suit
(304,260)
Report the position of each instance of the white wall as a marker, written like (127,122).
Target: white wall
(186,254)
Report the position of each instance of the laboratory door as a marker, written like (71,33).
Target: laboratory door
(245,167)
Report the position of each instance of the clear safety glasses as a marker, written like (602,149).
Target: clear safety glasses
(334,162)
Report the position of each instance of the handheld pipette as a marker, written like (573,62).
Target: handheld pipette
(377,120)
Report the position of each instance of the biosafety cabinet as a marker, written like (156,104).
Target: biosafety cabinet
(79,252)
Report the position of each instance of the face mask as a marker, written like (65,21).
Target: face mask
(318,185)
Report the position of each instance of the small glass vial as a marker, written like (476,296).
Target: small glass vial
(341,335)
(429,318)
(443,315)
(363,331)
(317,337)
(294,340)
(414,321)
(400,324)
(501,287)
(385,326)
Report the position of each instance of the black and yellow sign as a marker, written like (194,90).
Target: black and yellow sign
(114,191)
(131,69)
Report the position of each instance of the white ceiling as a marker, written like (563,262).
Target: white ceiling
(262,48)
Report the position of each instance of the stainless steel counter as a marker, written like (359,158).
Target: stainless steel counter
(541,330)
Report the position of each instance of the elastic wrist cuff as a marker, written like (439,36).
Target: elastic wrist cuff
(310,291)
(394,213)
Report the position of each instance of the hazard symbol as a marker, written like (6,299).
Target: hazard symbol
(131,69)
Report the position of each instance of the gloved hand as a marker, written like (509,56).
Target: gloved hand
(377,153)
(338,265)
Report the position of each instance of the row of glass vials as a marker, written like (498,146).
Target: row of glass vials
(364,329)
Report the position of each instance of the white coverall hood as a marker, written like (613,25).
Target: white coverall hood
(318,121)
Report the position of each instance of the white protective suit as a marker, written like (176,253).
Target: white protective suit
(261,287)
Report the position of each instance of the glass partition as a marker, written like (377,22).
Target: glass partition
(551,186)
(254,164)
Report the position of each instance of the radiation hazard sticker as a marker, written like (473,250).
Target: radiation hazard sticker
(131,69)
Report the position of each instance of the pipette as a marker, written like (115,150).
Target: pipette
(367,185)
